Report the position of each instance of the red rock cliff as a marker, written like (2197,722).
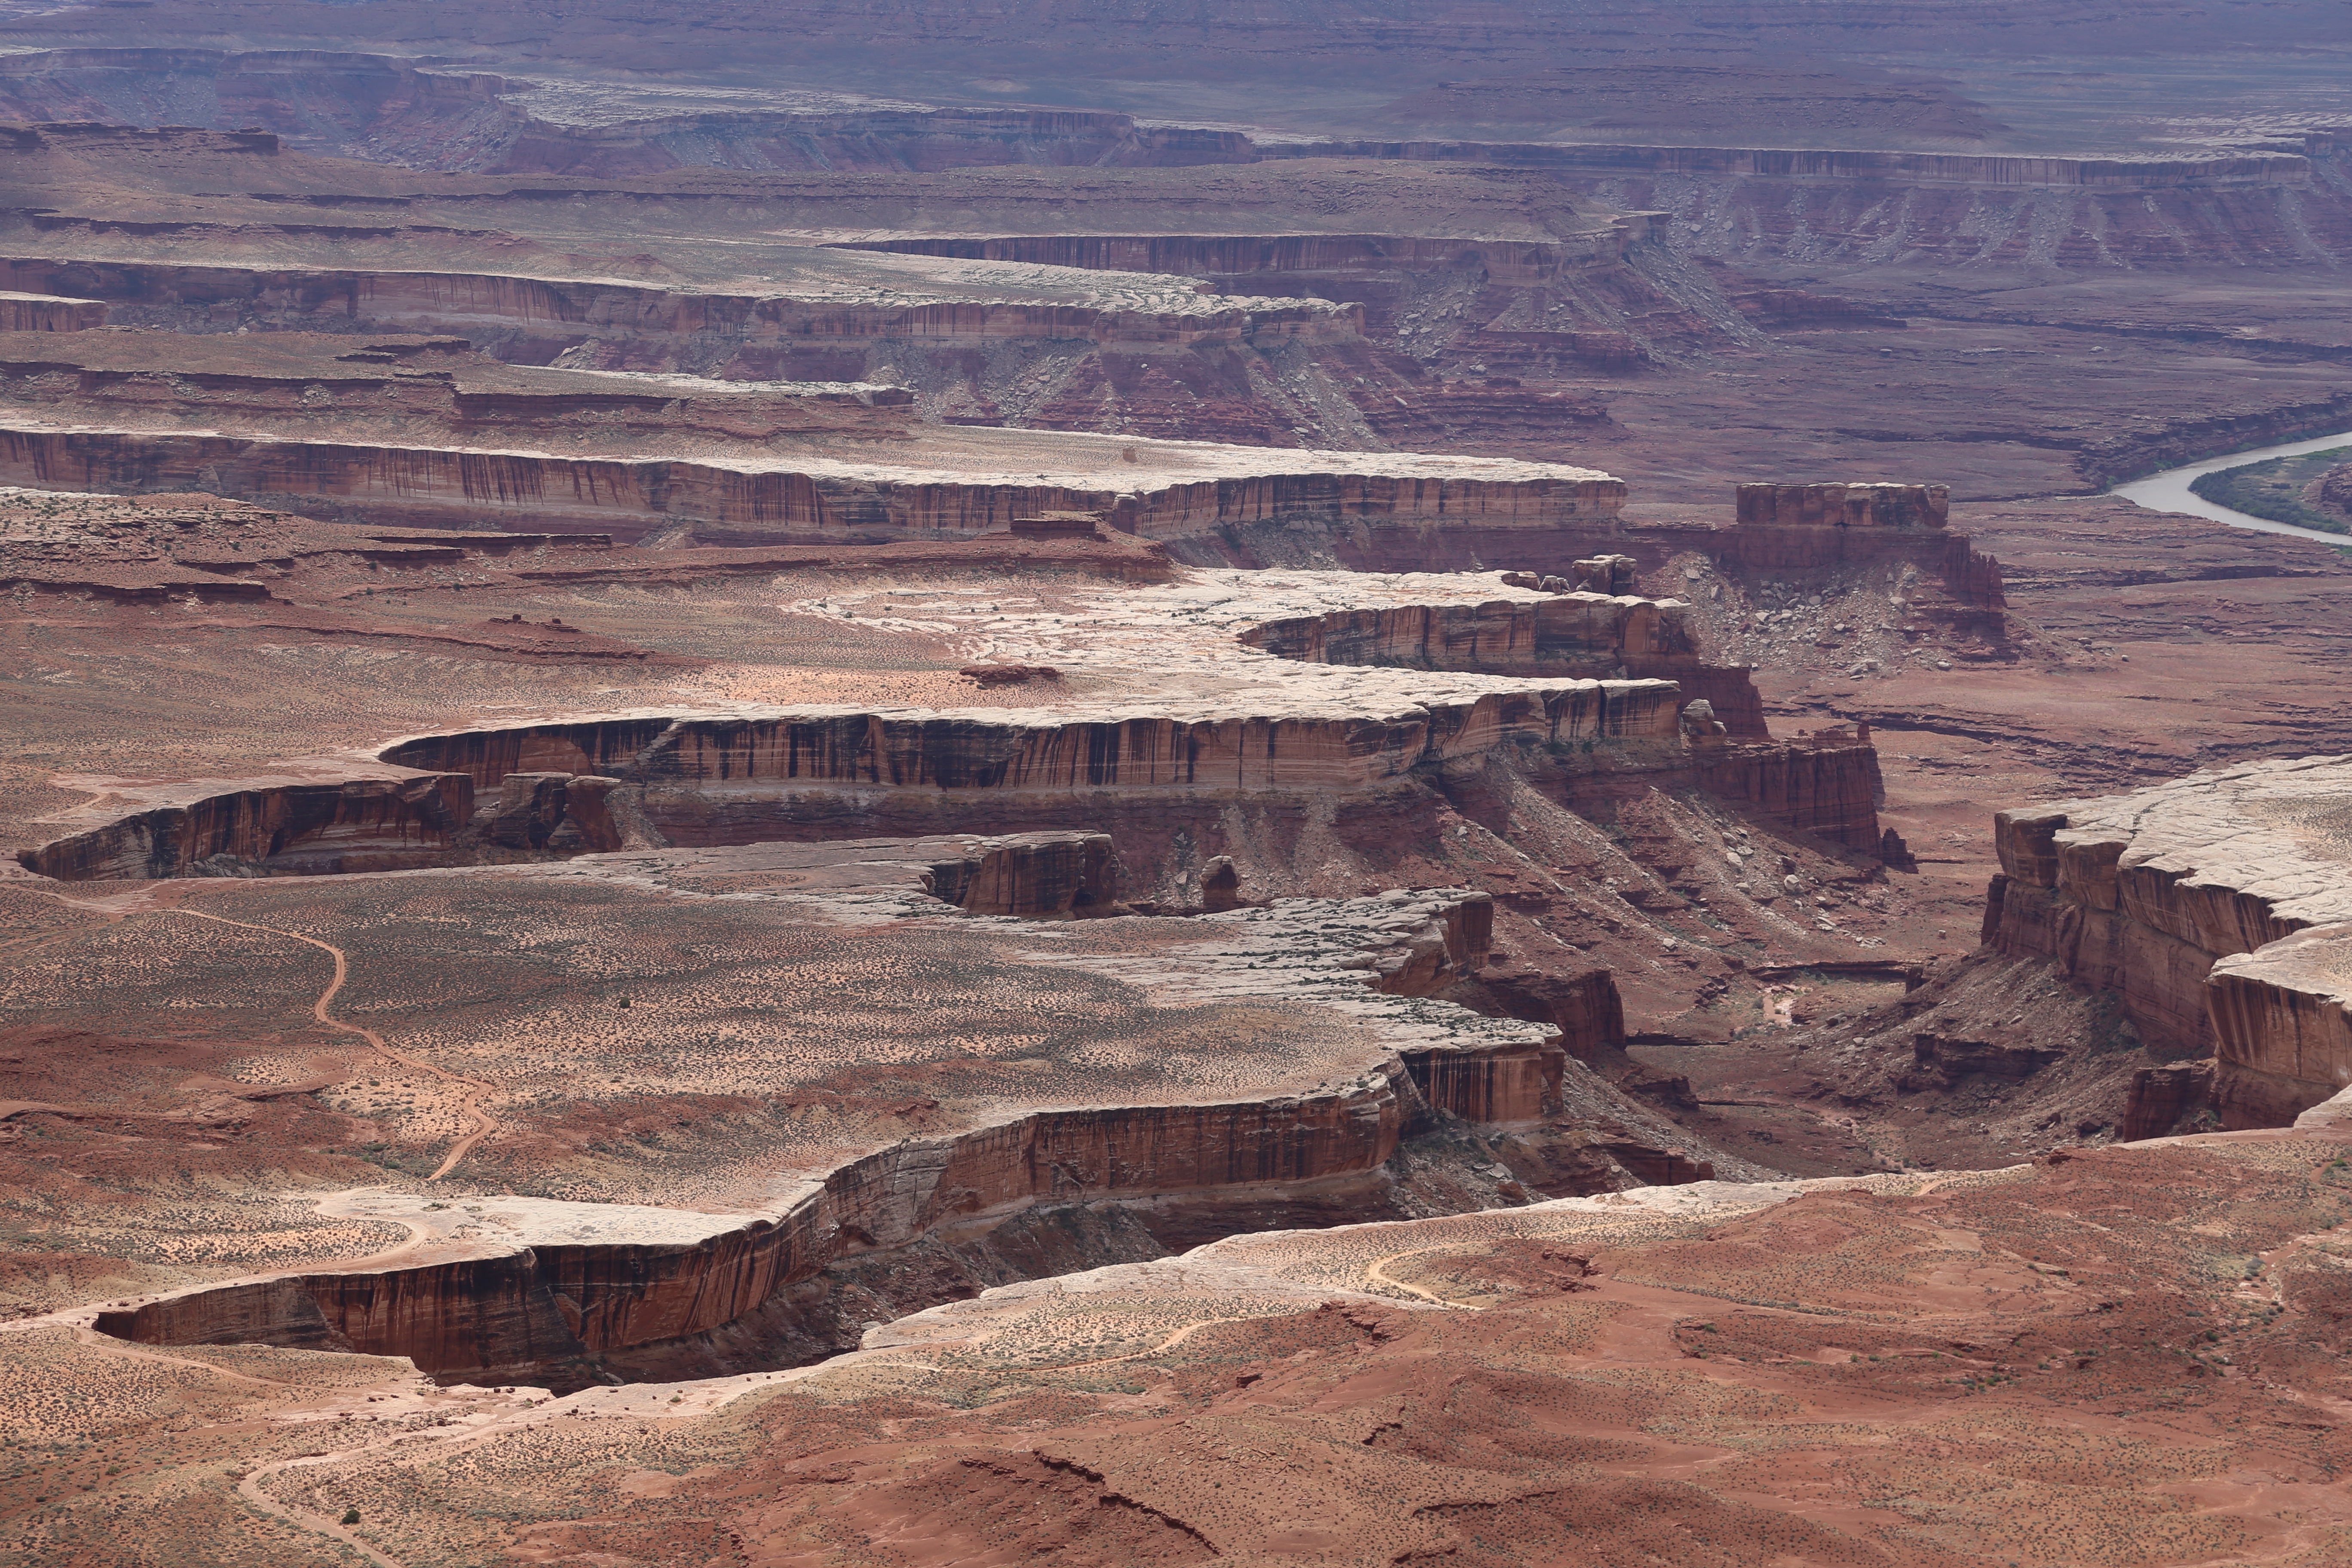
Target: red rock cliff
(1585,635)
(2211,910)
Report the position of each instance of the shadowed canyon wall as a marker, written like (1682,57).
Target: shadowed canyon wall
(559,1309)
(797,776)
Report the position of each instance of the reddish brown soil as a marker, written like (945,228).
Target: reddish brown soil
(2126,1356)
(1631,1420)
(2121,1357)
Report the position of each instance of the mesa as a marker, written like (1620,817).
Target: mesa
(825,785)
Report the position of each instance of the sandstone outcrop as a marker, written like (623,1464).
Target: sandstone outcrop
(1824,781)
(1813,528)
(1761,208)
(411,820)
(582,1283)
(1843,506)
(1239,256)
(2120,174)
(783,775)
(325,828)
(48,313)
(1578,634)
(385,108)
(2213,906)
(1812,533)
(493,307)
(421,386)
(1021,752)
(847,486)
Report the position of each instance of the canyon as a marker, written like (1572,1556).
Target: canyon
(1083,785)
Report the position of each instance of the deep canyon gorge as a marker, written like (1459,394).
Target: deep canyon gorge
(837,785)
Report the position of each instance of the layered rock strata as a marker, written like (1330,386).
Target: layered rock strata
(1824,781)
(1579,634)
(2214,907)
(2116,174)
(574,1284)
(1238,257)
(797,774)
(383,107)
(583,309)
(404,820)
(1391,504)
(37,313)
(1827,782)
(1810,532)
(1785,528)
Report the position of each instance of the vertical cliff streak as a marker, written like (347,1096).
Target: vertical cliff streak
(2213,906)
(549,1303)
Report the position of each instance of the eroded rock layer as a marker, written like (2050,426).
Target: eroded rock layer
(1583,634)
(573,1286)
(2212,907)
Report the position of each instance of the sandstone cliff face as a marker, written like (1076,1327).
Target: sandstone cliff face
(603,306)
(1765,207)
(1586,634)
(1843,506)
(364,825)
(2122,174)
(590,308)
(919,139)
(548,791)
(761,501)
(425,387)
(381,107)
(793,776)
(347,104)
(48,313)
(468,1316)
(442,819)
(1152,355)
(714,754)
(2283,1024)
(1040,875)
(1808,530)
(539,1308)
(547,1304)
(1379,277)
(1948,582)
(1227,256)
(1827,784)
(2196,903)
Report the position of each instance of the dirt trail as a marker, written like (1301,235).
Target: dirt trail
(251,1490)
(250,1486)
(484,1124)
(1377,1270)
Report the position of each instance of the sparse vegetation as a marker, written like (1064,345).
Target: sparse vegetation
(2277,489)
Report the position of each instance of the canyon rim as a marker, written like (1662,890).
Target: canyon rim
(1089,785)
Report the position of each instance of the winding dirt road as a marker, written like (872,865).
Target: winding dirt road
(470,1102)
